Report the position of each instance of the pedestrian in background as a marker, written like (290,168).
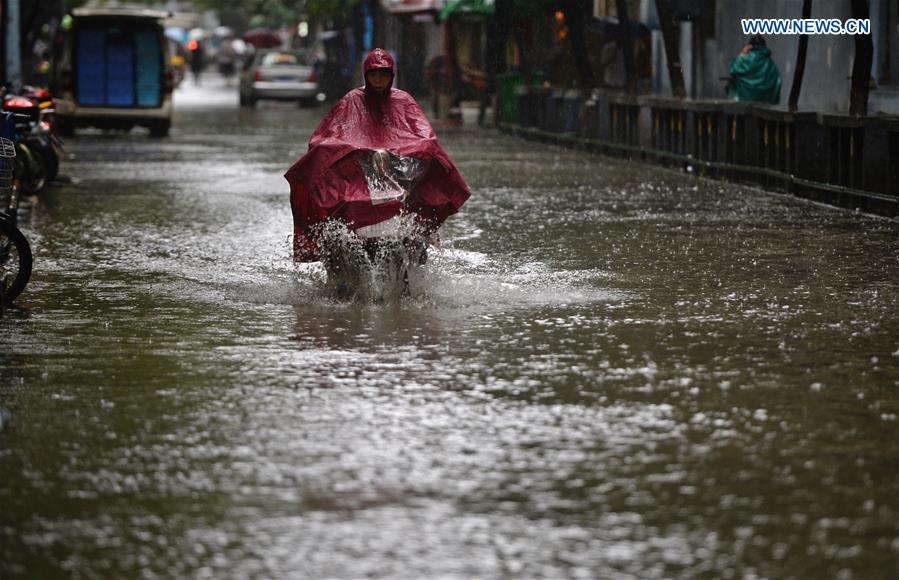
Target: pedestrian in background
(197,59)
(226,58)
(753,74)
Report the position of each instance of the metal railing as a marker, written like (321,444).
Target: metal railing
(834,158)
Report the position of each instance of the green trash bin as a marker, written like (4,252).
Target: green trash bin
(508,96)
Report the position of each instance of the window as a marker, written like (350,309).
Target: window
(283,59)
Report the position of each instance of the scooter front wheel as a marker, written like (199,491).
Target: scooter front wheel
(35,170)
(15,261)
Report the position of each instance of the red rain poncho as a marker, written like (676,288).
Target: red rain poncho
(328,181)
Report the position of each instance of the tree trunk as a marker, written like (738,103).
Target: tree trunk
(627,47)
(861,64)
(672,54)
(574,19)
(800,60)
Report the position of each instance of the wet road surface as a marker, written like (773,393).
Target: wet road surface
(607,370)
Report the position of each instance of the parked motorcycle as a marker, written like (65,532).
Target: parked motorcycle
(36,144)
(15,251)
(46,127)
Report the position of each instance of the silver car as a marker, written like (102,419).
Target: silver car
(281,75)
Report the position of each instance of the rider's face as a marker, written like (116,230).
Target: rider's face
(379,78)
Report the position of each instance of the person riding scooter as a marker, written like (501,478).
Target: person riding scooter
(373,159)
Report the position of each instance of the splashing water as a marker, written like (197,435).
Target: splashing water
(371,269)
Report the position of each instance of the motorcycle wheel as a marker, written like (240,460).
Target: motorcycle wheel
(15,261)
(390,260)
(160,129)
(346,264)
(52,164)
(50,157)
(36,170)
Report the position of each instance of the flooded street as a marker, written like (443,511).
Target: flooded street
(606,370)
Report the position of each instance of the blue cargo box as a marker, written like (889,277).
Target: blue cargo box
(120,74)
(119,68)
(149,69)
(91,58)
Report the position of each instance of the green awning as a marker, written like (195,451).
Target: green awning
(466,7)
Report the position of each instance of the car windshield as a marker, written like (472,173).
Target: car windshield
(283,59)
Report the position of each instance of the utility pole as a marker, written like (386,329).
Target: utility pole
(672,54)
(861,63)
(575,20)
(13,50)
(627,46)
(800,60)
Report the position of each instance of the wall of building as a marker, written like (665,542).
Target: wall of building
(829,59)
(825,85)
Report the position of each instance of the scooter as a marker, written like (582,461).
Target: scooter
(374,261)
(15,251)
(36,145)
(44,131)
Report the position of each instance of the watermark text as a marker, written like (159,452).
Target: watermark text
(753,26)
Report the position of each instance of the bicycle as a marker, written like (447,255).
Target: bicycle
(15,251)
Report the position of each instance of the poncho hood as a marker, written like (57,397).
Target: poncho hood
(379,58)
